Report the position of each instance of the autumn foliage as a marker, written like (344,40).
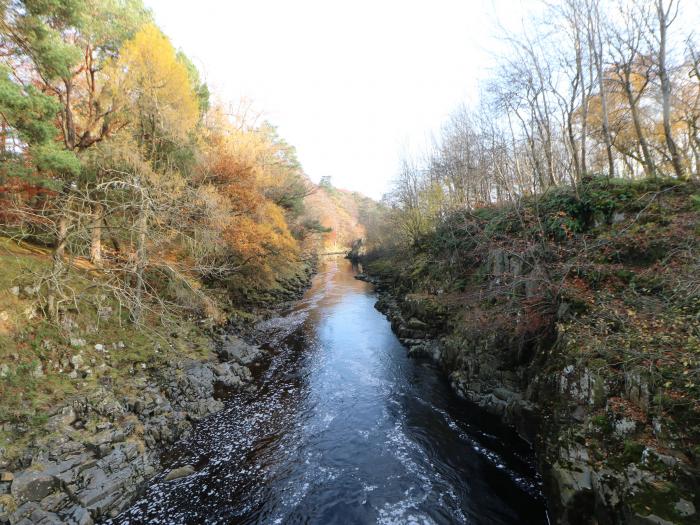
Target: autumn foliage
(113,151)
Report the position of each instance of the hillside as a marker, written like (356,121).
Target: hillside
(575,317)
(346,214)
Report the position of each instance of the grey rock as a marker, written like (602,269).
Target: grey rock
(78,515)
(417,324)
(624,426)
(606,484)
(31,513)
(651,519)
(77,342)
(104,312)
(571,482)
(77,361)
(618,217)
(637,388)
(64,417)
(506,395)
(498,262)
(563,311)
(54,501)
(37,371)
(180,472)
(579,414)
(684,507)
(33,486)
(237,350)
(31,291)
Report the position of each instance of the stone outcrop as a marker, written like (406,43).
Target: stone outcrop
(358,250)
(553,402)
(79,476)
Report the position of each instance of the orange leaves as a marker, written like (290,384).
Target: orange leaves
(251,227)
(149,81)
(235,180)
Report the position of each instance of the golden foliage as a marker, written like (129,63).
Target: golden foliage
(154,85)
(253,229)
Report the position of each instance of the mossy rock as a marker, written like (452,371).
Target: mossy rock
(662,499)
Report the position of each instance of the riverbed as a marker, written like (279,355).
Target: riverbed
(344,428)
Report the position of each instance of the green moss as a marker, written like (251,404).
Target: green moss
(37,352)
(632,452)
(695,201)
(602,424)
(659,499)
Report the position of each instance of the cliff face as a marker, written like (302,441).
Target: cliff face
(577,320)
(342,216)
(88,406)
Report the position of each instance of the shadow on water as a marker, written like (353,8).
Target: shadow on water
(344,428)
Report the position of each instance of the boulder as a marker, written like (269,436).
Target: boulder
(64,417)
(77,342)
(33,486)
(572,483)
(417,324)
(180,472)
(237,350)
(77,361)
(684,507)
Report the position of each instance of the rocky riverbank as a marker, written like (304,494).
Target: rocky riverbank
(584,344)
(578,486)
(95,451)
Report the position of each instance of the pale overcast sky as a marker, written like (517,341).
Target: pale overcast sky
(349,84)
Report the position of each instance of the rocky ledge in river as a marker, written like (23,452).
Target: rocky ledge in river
(102,448)
(551,406)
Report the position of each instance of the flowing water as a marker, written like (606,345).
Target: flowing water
(345,428)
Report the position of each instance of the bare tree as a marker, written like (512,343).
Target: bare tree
(595,44)
(666,14)
(631,64)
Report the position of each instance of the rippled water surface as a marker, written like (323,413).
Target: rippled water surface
(344,428)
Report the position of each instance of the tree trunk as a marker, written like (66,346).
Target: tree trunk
(606,123)
(141,227)
(57,266)
(61,237)
(648,163)
(666,89)
(96,235)
(596,45)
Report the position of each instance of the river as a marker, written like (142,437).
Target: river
(345,428)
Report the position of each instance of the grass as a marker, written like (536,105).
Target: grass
(622,256)
(37,354)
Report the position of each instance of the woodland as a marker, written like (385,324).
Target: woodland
(545,251)
(544,248)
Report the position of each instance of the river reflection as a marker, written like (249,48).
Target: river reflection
(344,428)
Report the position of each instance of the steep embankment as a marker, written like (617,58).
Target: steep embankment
(89,401)
(341,215)
(87,404)
(576,318)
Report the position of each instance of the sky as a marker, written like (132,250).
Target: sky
(351,85)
